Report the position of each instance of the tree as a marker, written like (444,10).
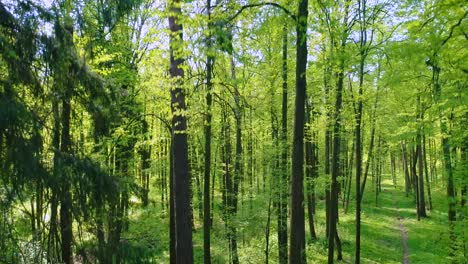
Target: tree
(297,252)
(181,174)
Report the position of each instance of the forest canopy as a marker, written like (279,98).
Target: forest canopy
(148,131)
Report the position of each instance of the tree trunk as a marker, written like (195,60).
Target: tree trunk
(66,221)
(445,142)
(267,232)
(333,218)
(363,55)
(350,176)
(404,159)
(311,173)
(207,168)
(422,203)
(238,173)
(172,221)
(297,252)
(184,248)
(426,173)
(282,189)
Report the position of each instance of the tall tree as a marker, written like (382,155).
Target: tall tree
(207,168)
(297,252)
(181,173)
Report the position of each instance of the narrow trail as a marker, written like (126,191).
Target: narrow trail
(404,236)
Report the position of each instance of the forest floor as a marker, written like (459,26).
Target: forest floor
(382,241)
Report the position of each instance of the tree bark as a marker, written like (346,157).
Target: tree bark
(311,173)
(297,252)
(426,173)
(184,248)
(207,168)
(283,204)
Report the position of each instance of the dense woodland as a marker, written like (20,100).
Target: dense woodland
(147,131)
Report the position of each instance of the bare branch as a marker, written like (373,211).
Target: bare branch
(291,15)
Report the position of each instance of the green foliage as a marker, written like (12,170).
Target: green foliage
(108,60)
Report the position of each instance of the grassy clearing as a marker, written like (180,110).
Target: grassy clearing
(381,237)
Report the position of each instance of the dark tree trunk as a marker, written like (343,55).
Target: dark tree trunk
(358,138)
(350,176)
(267,232)
(145,166)
(393,168)
(228,185)
(282,186)
(238,173)
(66,221)
(52,254)
(207,168)
(184,248)
(297,252)
(426,173)
(445,142)
(404,162)
(172,222)
(422,204)
(335,168)
(414,174)
(311,173)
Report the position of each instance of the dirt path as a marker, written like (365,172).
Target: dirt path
(404,236)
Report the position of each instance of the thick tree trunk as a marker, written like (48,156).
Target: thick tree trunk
(66,221)
(445,142)
(184,248)
(297,252)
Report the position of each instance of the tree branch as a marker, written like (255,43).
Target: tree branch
(291,15)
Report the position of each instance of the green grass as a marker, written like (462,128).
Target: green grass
(381,240)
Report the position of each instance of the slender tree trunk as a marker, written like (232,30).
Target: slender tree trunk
(184,248)
(283,204)
(370,157)
(350,175)
(422,204)
(333,233)
(415,181)
(426,173)
(267,232)
(238,173)
(445,142)
(52,254)
(404,159)
(311,171)
(172,221)
(207,168)
(297,252)
(393,168)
